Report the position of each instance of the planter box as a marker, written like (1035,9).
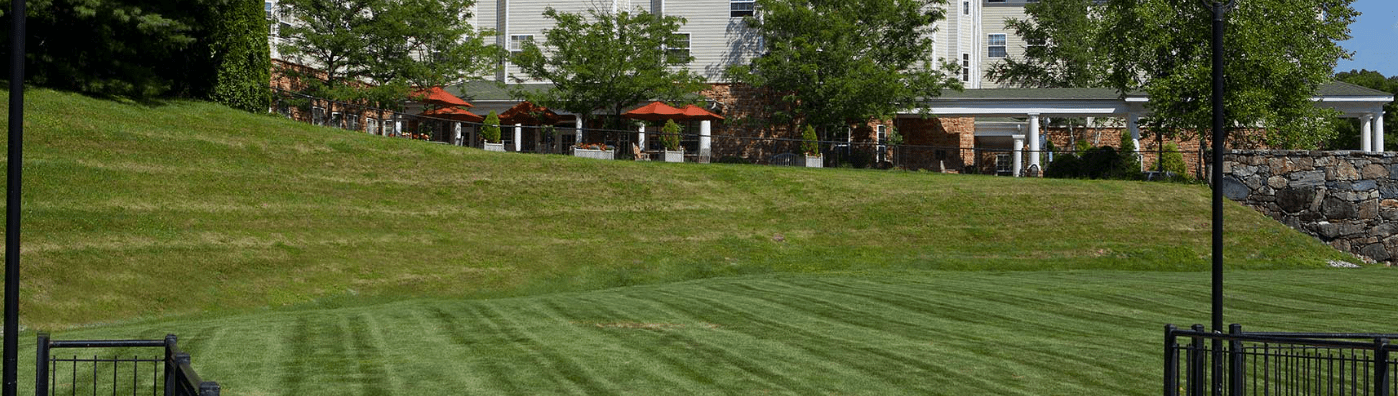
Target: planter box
(815,162)
(674,156)
(495,147)
(595,154)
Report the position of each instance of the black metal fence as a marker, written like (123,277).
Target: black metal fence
(1200,363)
(168,375)
(720,146)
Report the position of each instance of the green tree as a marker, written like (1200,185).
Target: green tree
(1172,160)
(809,141)
(604,61)
(1277,53)
(243,58)
(1062,51)
(130,48)
(836,63)
(671,135)
(414,41)
(328,35)
(391,44)
(490,130)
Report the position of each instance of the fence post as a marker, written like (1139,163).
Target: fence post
(1172,362)
(1195,375)
(208,388)
(1381,378)
(170,347)
(1235,361)
(41,367)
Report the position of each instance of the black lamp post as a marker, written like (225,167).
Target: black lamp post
(1219,8)
(13,170)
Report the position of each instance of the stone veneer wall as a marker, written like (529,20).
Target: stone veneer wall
(1348,199)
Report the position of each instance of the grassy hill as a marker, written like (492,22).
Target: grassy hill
(290,255)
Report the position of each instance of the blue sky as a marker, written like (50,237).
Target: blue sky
(1375,38)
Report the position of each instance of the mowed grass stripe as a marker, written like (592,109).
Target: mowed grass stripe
(873,333)
(148,211)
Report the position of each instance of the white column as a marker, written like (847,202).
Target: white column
(1366,133)
(577,135)
(641,137)
(1034,142)
(705,139)
(1018,155)
(456,137)
(1133,125)
(1378,133)
(519,137)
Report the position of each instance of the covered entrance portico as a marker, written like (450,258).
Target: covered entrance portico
(1035,106)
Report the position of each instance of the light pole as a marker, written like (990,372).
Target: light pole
(1219,8)
(13,170)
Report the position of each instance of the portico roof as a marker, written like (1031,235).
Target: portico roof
(1350,99)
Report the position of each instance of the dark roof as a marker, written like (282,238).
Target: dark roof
(1033,93)
(486,91)
(1340,88)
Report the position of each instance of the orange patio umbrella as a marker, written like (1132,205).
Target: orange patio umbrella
(454,113)
(528,113)
(438,96)
(692,112)
(655,111)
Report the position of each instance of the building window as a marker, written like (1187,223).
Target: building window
(966,67)
(996,44)
(679,53)
(995,1)
(352,122)
(267,7)
(741,8)
(371,126)
(318,116)
(518,41)
(1002,164)
(336,121)
(283,30)
(965,8)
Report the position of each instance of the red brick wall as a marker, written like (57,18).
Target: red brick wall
(937,143)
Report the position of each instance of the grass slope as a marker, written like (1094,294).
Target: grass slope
(147,211)
(909,332)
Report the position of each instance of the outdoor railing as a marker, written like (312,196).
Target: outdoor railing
(1202,363)
(724,146)
(169,375)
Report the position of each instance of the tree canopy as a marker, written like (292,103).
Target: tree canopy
(1072,61)
(605,61)
(835,63)
(146,49)
(390,44)
(1277,53)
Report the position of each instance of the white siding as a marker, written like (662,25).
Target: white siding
(993,22)
(716,40)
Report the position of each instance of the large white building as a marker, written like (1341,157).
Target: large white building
(972,35)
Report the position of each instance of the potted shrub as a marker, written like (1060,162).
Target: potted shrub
(812,148)
(491,133)
(671,140)
(594,150)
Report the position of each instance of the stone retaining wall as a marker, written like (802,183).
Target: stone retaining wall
(1348,199)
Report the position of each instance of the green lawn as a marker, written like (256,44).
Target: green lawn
(288,256)
(1089,332)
